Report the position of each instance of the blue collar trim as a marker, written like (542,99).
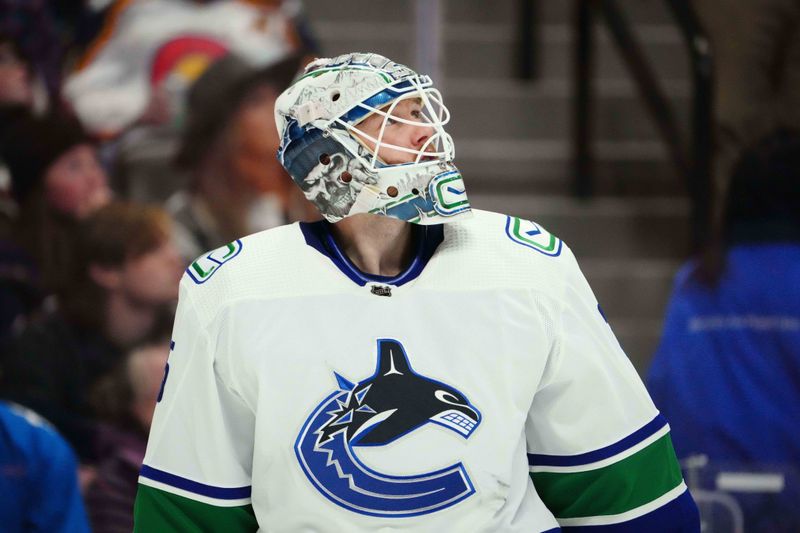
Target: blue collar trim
(426,240)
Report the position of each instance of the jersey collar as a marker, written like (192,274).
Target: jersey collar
(426,240)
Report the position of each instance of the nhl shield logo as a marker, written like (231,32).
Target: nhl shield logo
(391,403)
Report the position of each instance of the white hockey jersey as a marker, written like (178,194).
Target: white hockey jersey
(481,390)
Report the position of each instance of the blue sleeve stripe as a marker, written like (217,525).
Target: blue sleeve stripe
(219,493)
(603,453)
(678,516)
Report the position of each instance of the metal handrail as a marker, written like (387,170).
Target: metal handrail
(694,162)
(527,66)
(429,39)
(707,498)
(702,142)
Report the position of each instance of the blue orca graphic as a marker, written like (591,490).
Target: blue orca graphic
(391,403)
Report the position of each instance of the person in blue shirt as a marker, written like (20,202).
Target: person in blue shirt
(38,477)
(727,371)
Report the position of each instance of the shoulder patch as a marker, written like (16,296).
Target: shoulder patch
(529,234)
(206,265)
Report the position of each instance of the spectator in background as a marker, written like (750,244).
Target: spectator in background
(31,25)
(727,371)
(756,47)
(125,286)
(237,186)
(125,401)
(38,477)
(18,278)
(16,98)
(56,181)
(53,161)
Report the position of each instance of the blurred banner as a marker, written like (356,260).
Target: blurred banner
(150,52)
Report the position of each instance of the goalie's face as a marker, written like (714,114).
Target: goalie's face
(399,133)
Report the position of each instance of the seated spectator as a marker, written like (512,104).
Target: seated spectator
(125,400)
(38,477)
(54,157)
(125,286)
(20,293)
(16,99)
(726,371)
(237,186)
(32,26)
(56,181)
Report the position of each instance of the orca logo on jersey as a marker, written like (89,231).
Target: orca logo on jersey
(391,403)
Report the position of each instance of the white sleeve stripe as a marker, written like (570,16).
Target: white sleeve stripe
(646,433)
(605,462)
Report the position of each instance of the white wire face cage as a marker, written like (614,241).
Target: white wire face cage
(418,107)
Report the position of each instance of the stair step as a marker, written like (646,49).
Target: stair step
(467,44)
(377,12)
(601,207)
(527,150)
(631,288)
(549,11)
(654,228)
(623,178)
(678,88)
(662,45)
(634,295)
(639,338)
(478,110)
(635,11)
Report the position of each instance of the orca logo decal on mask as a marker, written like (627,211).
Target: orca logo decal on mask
(375,412)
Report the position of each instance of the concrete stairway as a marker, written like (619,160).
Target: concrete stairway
(512,138)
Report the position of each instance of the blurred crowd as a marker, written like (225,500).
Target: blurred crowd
(135,135)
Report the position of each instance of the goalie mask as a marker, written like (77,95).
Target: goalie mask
(339,124)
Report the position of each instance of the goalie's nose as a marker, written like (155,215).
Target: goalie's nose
(420,137)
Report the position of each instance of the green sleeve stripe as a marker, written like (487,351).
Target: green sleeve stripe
(157,510)
(614,489)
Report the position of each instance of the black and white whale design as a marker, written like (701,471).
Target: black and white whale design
(391,403)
